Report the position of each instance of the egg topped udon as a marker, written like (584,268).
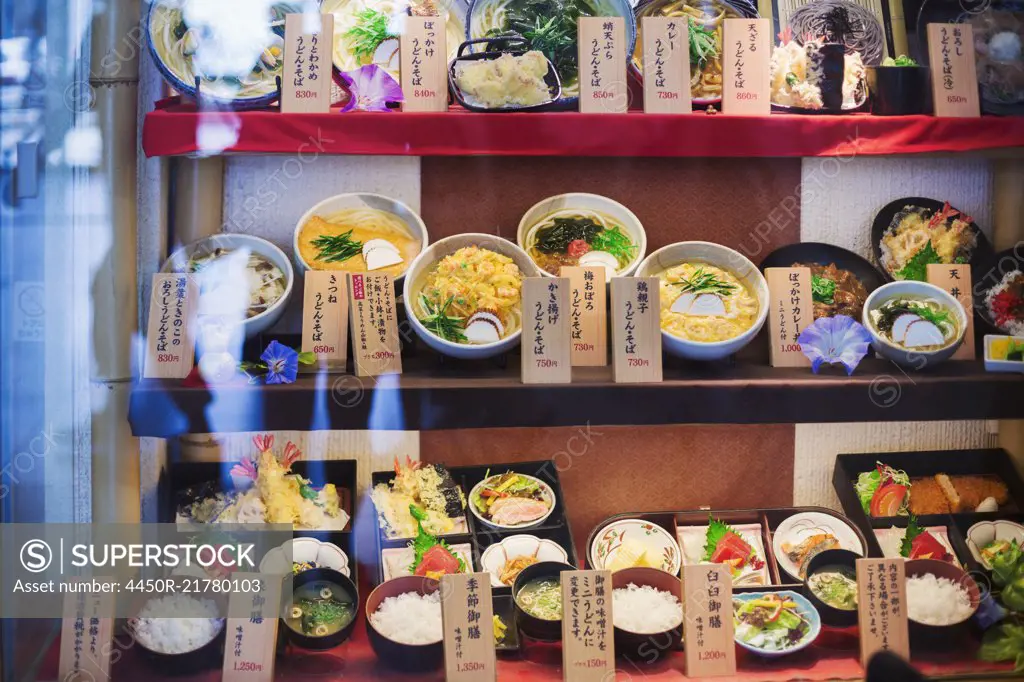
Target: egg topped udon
(471,296)
(705,304)
(347,240)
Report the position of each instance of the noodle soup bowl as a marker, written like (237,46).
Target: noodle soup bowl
(720,257)
(379,202)
(585,203)
(910,357)
(251,326)
(407,657)
(416,275)
(647,647)
(545,630)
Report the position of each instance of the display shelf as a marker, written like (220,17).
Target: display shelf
(172,130)
(434,395)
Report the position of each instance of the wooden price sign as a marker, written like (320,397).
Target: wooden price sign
(707,621)
(170,342)
(85,636)
(882,612)
(588,647)
(956,279)
(545,305)
(792,309)
(589,315)
(467,615)
(308,55)
(325,317)
(424,61)
(746,72)
(954,78)
(375,343)
(251,641)
(666,65)
(636,329)
(602,59)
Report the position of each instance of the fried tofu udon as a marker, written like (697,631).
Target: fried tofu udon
(471,296)
(705,304)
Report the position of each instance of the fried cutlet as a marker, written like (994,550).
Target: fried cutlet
(927,497)
(973,490)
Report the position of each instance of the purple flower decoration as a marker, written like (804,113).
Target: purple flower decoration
(839,339)
(282,363)
(371,88)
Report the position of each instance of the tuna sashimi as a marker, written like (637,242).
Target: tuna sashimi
(437,561)
(733,550)
(927,546)
(514,511)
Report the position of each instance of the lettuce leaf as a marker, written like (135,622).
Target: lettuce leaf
(917,267)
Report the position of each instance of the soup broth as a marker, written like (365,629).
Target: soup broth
(703,303)
(835,586)
(319,609)
(542,598)
(918,323)
(319,236)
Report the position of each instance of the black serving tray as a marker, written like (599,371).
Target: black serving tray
(479,536)
(340,472)
(993,462)
(768,518)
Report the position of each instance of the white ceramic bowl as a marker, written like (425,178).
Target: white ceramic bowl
(379,202)
(720,257)
(661,548)
(324,554)
(914,359)
(494,557)
(178,262)
(986,532)
(593,202)
(546,492)
(435,252)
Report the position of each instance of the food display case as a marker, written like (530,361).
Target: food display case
(463,296)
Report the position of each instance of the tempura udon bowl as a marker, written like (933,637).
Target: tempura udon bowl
(728,324)
(897,339)
(600,210)
(370,216)
(462,312)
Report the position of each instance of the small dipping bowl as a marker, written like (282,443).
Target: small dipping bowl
(529,625)
(830,559)
(330,578)
(942,636)
(647,647)
(407,657)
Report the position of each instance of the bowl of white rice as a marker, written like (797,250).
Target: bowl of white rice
(179,633)
(403,621)
(941,599)
(647,613)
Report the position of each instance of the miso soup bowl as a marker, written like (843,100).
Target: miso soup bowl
(529,625)
(831,558)
(416,275)
(625,218)
(904,357)
(407,657)
(647,647)
(720,257)
(324,575)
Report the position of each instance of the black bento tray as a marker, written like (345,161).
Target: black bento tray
(768,518)
(975,462)
(480,537)
(340,472)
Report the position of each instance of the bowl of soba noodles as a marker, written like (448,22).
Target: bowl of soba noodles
(463,295)
(236,57)
(713,299)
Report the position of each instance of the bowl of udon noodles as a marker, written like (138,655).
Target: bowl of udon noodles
(492,18)
(359,232)
(237,58)
(367,31)
(705,19)
(713,299)
(580,229)
(914,324)
(462,295)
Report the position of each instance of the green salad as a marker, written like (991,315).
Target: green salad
(770,622)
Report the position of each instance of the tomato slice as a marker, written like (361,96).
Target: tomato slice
(888,499)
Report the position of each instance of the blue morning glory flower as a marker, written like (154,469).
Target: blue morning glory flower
(835,340)
(282,363)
